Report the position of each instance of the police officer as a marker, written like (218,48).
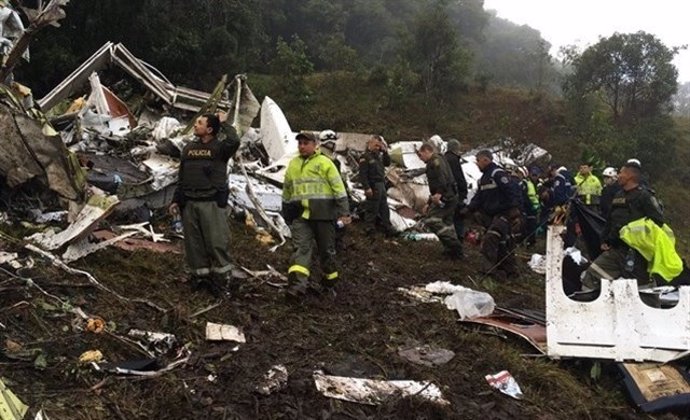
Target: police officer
(443,200)
(631,203)
(530,205)
(454,158)
(202,198)
(497,200)
(372,174)
(314,197)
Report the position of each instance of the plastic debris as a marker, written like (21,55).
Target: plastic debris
(537,263)
(469,303)
(222,332)
(11,407)
(504,382)
(274,380)
(91,356)
(417,236)
(375,392)
(426,355)
(576,255)
(95,325)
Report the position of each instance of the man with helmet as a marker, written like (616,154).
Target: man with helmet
(610,189)
(372,175)
(588,186)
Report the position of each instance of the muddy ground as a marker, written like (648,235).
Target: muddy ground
(355,333)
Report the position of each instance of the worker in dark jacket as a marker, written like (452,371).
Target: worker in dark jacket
(454,158)
(498,202)
(202,197)
(631,203)
(443,200)
(372,174)
(611,187)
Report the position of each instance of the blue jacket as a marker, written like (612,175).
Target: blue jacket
(497,192)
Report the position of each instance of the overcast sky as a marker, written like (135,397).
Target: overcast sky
(581,22)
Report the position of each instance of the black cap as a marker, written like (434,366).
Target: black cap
(306,136)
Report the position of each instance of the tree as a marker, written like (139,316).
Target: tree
(291,65)
(632,73)
(435,52)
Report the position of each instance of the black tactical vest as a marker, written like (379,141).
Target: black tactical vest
(203,170)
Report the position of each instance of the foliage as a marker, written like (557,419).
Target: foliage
(435,54)
(290,66)
(632,73)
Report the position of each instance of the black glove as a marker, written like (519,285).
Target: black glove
(290,211)
(222,198)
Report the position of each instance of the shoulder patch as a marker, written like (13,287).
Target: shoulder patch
(437,163)
(504,179)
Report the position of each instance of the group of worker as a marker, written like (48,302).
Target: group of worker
(316,207)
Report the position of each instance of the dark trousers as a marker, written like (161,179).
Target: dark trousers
(376,208)
(439,220)
(502,233)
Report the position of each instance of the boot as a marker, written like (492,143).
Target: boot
(297,285)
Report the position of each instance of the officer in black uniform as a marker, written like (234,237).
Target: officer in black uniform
(498,202)
(202,198)
(632,202)
(372,174)
(443,200)
(454,158)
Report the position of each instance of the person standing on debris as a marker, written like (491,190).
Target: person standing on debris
(372,175)
(631,203)
(314,198)
(443,200)
(497,200)
(588,186)
(202,197)
(454,158)
(611,187)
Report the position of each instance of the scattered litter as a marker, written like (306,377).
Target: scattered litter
(420,294)
(504,382)
(537,263)
(11,407)
(91,356)
(469,303)
(426,355)
(274,380)
(418,236)
(158,342)
(143,367)
(95,325)
(222,332)
(654,388)
(375,392)
(10,258)
(211,378)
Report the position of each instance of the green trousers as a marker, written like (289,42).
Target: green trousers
(206,238)
(610,265)
(308,236)
(439,220)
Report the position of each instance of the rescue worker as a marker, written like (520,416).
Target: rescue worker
(443,200)
(454,158)
(611,187)
(497,200)
(588,186)
(530,205)
(202,197)
(631,203)
(372,175)
(314,199)
(328,139)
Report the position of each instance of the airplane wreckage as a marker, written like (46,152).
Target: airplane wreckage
(78,159)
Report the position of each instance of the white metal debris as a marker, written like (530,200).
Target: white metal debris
(158,342)
(222,332)
(504,382)
(274,380)
(375,392)
(276,134)
(617,325)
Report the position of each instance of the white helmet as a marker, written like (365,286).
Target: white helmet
(635,162)
(328,135)
(610,172)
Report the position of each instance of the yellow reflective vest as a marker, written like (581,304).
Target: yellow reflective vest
(656,244)
(588,188)
(315,184)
